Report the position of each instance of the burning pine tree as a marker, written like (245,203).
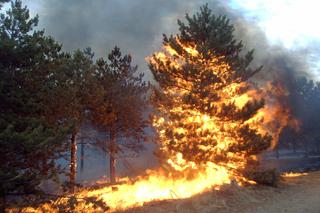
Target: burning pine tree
(211,119)
(209,114)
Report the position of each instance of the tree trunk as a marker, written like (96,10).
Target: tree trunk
(294,144)
(112,159)
(82,157)
(73,160)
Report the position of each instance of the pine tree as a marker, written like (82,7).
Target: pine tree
(68,94)
(29,144)
(202,113)
(120,105)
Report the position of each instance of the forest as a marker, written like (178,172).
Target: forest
(204,109)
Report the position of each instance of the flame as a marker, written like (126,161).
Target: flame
(179,176)
(293,174)
(270,119)
(157,185)
(183,176)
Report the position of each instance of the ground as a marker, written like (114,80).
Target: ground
(299,194)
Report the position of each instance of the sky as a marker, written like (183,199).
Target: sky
(291,23)
(284,33)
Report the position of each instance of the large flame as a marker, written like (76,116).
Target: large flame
(183,178)
(161,185)
(269,120)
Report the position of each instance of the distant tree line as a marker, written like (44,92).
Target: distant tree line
(304,100)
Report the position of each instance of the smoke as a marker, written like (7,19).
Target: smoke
(137,27)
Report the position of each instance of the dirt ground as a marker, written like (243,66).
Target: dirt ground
(293,195)
(296,195)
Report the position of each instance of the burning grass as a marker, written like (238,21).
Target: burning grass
(127,197)
(293,174)
(210,125)
(208,133)
(156,192)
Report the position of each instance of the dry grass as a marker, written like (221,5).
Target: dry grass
(302,191)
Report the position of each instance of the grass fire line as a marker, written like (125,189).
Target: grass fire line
(182,178)
(211,123)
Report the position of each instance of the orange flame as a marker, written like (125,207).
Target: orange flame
(293,174)
(182,178)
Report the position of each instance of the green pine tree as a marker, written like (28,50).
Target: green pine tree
(120,105)
(68,94)
(29,144)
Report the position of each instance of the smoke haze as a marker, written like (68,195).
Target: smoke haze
(137,28)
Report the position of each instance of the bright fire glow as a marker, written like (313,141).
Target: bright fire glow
(293,174)
(157,185)
(180,177)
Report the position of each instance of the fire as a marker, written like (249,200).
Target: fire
(241,93)
(159,185)
(184,176)
(224,152)
(180,176)
(293,174)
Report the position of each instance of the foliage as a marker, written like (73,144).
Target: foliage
(269,177)
(28,143)
(213,35)
(121,101)
(70,88)
(200,75)
(120,104)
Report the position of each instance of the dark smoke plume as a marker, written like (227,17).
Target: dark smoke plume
(137,27)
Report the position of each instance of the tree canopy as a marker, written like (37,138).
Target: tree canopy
(203,114)
(120,105)
(28,58)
